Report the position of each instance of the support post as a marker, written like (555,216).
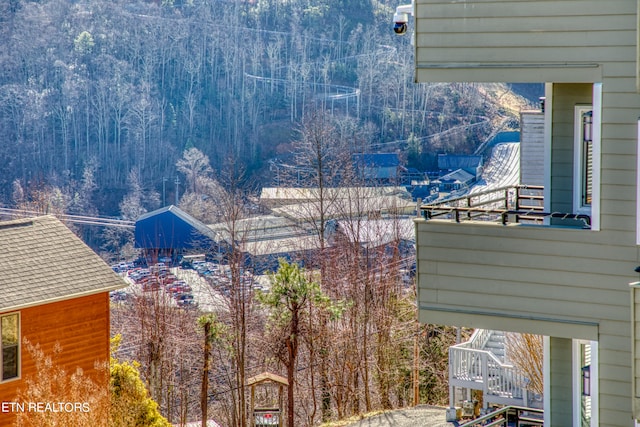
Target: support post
(635,357)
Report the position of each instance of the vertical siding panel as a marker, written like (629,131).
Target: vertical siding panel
(561,377)
(532,148)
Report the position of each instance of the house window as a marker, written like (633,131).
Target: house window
(10,330)
(583,160)
(587,158)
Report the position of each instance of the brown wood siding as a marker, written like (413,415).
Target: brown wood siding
(80,326)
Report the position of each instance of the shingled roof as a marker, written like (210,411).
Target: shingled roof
(42,261)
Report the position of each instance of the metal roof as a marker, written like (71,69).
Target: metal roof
(460,176)
(345,208)
(263,227)
(269,235)
(452,162)
(171,227)
(296,195)
(375,233)
(382,160)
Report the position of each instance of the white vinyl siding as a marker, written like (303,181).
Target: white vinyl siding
(532,148)
(526,277)
(558,282)
(523,41)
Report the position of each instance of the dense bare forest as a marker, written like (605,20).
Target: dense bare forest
(92,92)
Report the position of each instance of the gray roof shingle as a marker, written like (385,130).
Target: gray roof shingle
(42,261)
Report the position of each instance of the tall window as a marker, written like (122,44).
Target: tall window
(583,160)
(10,331)
(587,157)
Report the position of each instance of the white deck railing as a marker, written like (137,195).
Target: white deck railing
(472,367)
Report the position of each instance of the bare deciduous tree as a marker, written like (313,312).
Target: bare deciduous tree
(194,164)
(526,352)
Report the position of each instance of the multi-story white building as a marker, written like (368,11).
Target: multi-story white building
(565,277)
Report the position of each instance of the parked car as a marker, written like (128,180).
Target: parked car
(186,300)
(178,288)
(118,295)
(167,278)
(159,268)
(150,285)
(139,274)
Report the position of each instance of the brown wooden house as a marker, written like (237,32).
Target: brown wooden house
(53,289)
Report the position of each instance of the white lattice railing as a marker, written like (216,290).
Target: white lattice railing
(478,340)
(472,367)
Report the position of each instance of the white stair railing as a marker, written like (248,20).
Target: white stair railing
(478,340)
(472,367)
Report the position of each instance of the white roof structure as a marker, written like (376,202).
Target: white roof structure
(262,227)
(269,234)
(282,246)
(277,196)
(347,208)
(291,226)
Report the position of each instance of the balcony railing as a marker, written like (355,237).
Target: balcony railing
(473,366)
(517,204)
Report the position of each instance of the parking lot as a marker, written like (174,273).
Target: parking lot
(201,285)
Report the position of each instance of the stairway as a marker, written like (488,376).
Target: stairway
(496,345)
(479,364)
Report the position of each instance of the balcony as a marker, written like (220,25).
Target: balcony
(497,260)
(522,204)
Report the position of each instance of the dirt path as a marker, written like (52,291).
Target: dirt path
(420,416)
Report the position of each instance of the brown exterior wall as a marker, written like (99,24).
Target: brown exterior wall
(79,325)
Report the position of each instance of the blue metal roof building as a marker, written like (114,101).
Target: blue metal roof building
(377,166)
(450,163)
(169,229)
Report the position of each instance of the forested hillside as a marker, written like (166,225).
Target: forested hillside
(96,94)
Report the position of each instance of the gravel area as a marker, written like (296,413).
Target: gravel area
(422,416)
